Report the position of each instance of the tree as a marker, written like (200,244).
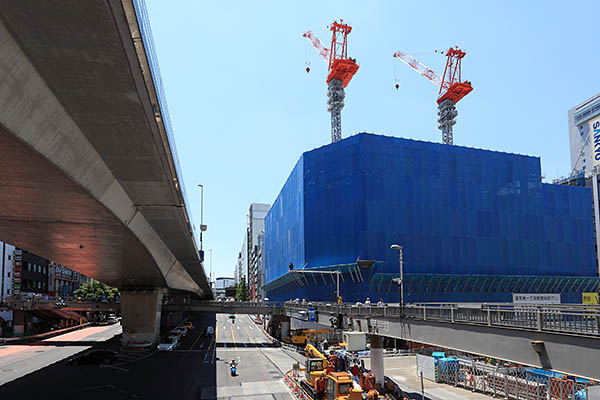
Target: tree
(241,293)
(97,291)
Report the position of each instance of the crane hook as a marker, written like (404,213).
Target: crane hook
(307,70)
(397,86)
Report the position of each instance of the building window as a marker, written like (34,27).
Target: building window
(9,257)
(28,266)
(8,274)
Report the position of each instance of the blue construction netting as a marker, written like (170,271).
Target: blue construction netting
(455,210)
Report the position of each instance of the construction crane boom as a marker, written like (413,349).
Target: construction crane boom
(452,88)
(341,69)
(428,73)
(318,45)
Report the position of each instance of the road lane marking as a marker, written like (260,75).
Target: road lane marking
(196,341)
(233,335)
(112,366)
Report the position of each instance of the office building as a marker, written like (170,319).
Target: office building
(581,136)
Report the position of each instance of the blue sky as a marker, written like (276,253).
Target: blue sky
(243,108)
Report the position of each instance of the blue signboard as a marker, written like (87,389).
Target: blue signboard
(312,316)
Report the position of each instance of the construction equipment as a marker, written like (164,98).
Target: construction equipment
(452,88)
(341,69)
(315,366)
(305,336)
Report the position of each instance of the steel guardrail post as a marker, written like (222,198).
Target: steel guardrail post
(489,317)
(538,316)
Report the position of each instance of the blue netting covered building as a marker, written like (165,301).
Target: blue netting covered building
(475,225)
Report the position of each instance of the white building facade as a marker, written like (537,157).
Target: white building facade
(7,252)
(582,118)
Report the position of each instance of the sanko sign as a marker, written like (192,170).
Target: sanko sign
(595,131)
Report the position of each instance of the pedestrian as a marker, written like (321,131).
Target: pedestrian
(367,302)
(380,303)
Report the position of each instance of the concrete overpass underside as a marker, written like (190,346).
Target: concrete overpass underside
(89,176)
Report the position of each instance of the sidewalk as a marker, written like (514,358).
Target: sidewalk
(403,370)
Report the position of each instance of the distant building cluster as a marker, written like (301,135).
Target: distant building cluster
(250,265)
(26,275)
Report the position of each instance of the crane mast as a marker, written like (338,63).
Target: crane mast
(341,69)
(452,89)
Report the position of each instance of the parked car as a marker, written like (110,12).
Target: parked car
(169,343)
(97,356)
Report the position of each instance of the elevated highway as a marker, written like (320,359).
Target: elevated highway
(90,174)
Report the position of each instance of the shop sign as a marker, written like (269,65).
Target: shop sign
(589,298)
(536,298)
(594,125)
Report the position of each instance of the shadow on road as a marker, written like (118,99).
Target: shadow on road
(157,376)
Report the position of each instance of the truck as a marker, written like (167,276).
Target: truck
(321,382)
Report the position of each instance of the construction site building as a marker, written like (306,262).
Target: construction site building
(475,225)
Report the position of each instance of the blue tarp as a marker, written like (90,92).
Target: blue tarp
(455,210)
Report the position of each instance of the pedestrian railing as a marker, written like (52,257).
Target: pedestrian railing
(577,319)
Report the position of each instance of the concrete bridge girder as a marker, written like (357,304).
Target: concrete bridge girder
(99,231)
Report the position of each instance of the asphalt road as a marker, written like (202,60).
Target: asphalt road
(197,369)
(19,360)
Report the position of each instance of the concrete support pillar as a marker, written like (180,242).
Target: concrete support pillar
(377,358)
(285,329)
(18,322)
(141,316)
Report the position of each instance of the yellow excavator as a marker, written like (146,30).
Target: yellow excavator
(316,364)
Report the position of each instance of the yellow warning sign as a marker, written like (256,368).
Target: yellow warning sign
(589,298)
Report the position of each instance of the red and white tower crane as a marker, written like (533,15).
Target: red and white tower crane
(452,88)
(341,69)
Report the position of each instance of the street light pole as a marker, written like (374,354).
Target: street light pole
(337,286)
(399,248)
(202,226)
(210,253)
